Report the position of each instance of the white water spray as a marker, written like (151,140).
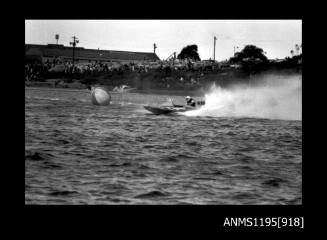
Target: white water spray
(275,98)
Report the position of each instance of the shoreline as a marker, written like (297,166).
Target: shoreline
(160,83)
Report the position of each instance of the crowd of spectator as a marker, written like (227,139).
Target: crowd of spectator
(36,71)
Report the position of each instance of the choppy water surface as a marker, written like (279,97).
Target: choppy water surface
(78,153)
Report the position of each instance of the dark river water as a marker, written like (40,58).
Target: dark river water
(79,153)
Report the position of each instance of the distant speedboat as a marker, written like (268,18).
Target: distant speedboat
(122,89)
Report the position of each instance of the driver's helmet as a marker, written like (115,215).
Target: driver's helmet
(188,97)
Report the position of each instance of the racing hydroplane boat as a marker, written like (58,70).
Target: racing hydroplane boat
(157,110)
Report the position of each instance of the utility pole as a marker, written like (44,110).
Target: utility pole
(154,48)
(174,58)
(214,48)
(73,43)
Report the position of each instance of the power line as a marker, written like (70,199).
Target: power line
(73,43)
(252,40)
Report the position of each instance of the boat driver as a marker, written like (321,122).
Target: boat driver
(190,101)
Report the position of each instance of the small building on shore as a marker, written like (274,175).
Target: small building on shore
(51,52)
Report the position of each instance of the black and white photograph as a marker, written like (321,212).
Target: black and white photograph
(163,112)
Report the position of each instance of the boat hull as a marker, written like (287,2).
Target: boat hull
(167,109)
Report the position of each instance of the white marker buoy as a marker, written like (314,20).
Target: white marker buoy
(100,96)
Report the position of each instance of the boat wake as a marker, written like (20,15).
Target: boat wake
(274,98)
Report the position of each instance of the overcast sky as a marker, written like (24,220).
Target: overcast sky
(276,37)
